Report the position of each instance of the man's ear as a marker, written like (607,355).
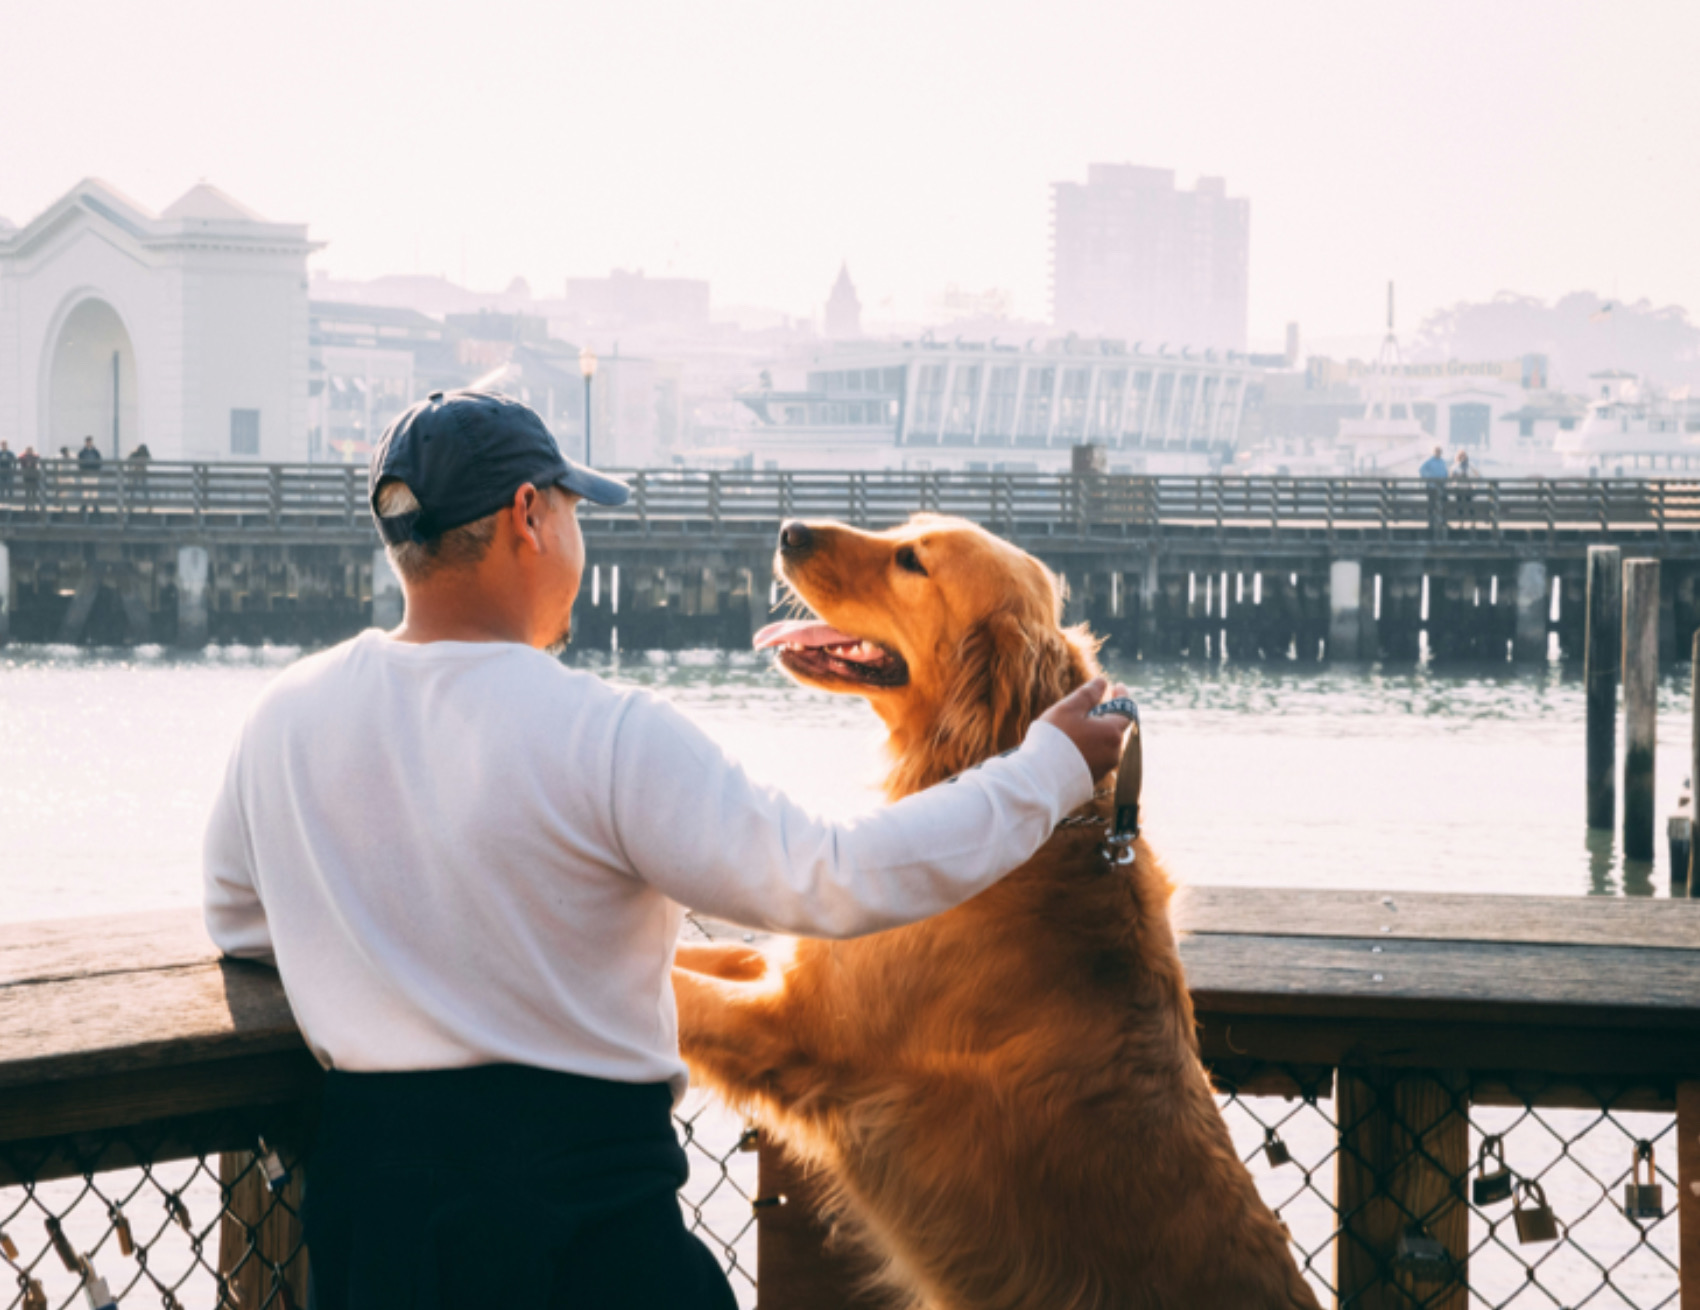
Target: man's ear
(525,513)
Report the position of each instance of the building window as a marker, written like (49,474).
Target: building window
(1036,405)
(1525,427)
(929,401)
(964,400)
(1469,424)
(1107,409)
(1071,404)
(1138,397)
(244,432)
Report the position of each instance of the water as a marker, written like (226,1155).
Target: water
(1409,780)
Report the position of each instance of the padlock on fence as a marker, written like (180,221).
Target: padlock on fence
(62,1247)
(1643,1201)
(95,1291)
(1533,1216)
(1421,1255)
(271,1165)
(8,1247)
(1275,1150)
(178,1211)
(35,1298)
(121,1226)
(1492,1183)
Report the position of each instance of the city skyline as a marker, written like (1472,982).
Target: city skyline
(1537,149)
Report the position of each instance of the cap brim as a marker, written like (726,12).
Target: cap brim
(597,488)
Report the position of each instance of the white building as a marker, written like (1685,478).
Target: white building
(976,406)
(184,330)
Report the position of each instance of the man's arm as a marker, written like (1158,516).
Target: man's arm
(236,921)
(695,826)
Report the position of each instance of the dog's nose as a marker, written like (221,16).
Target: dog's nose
(795,538)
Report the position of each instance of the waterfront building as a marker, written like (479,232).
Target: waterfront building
(843,319)
(185,330)
(1631,430)
(988,406)
(1133,256)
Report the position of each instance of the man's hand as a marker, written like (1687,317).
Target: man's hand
(1099,741)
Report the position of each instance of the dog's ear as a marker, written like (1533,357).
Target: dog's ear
(1005,675)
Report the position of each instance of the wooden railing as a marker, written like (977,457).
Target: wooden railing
(1364,1046)
(331,498)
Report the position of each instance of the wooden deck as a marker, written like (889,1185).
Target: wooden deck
(114,1023)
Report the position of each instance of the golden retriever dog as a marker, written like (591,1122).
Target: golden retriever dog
(1007,1099)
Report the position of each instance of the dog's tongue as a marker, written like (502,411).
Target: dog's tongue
(801,632)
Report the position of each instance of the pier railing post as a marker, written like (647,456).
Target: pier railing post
(1640,702)
(1404,1138)
(1603,649)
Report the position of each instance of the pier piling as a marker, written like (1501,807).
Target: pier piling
(1345,610)
(1640,702)
(1603,650)
(5,592)
(1534,598)
(1690,874)
(386,591)
(193,573)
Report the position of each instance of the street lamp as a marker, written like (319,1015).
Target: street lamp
(587,366)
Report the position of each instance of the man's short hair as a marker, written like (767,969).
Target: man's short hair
(458,548)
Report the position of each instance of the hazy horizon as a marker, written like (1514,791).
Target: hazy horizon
(1535,148)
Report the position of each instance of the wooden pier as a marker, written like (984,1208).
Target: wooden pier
(1343,569)
(127,1042)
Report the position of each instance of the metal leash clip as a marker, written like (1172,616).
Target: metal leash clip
(1130,773)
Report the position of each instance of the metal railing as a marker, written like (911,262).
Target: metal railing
(219,1229)
(331,498)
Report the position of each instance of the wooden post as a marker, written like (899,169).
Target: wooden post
(1693,778)
(1603,649)
(1404,1143)
(1534,597)
(1688,1192)
(797,1262)
(1640,702)
(1345,610)
(272,1223)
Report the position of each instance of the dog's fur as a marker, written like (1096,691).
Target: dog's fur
(1008,1097)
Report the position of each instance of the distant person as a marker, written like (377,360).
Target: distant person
(1434,467)
(1462,474)
(29,472)
(88,473)
(1433,471)
(138,462)
(8,468)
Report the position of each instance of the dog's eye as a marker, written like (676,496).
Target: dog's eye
(909,561)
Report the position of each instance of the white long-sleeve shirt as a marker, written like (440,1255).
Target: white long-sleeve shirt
(466,853)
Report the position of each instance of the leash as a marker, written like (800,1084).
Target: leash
(1123,828)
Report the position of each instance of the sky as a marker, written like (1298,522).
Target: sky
(1457,147)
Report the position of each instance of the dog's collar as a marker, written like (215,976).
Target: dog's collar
(1130,775)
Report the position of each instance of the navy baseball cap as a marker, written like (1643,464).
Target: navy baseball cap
(463,454)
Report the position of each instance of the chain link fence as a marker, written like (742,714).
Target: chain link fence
(1420,1190)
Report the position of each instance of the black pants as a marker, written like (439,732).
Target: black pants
(501,1186)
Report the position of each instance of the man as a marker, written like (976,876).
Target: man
(468,863)
(8,466)
(1434,467)
(88,457)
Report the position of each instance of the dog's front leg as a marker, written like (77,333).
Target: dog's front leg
(729,960)
(739,1039)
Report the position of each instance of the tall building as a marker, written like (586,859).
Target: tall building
(843,308)
(1133,256)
